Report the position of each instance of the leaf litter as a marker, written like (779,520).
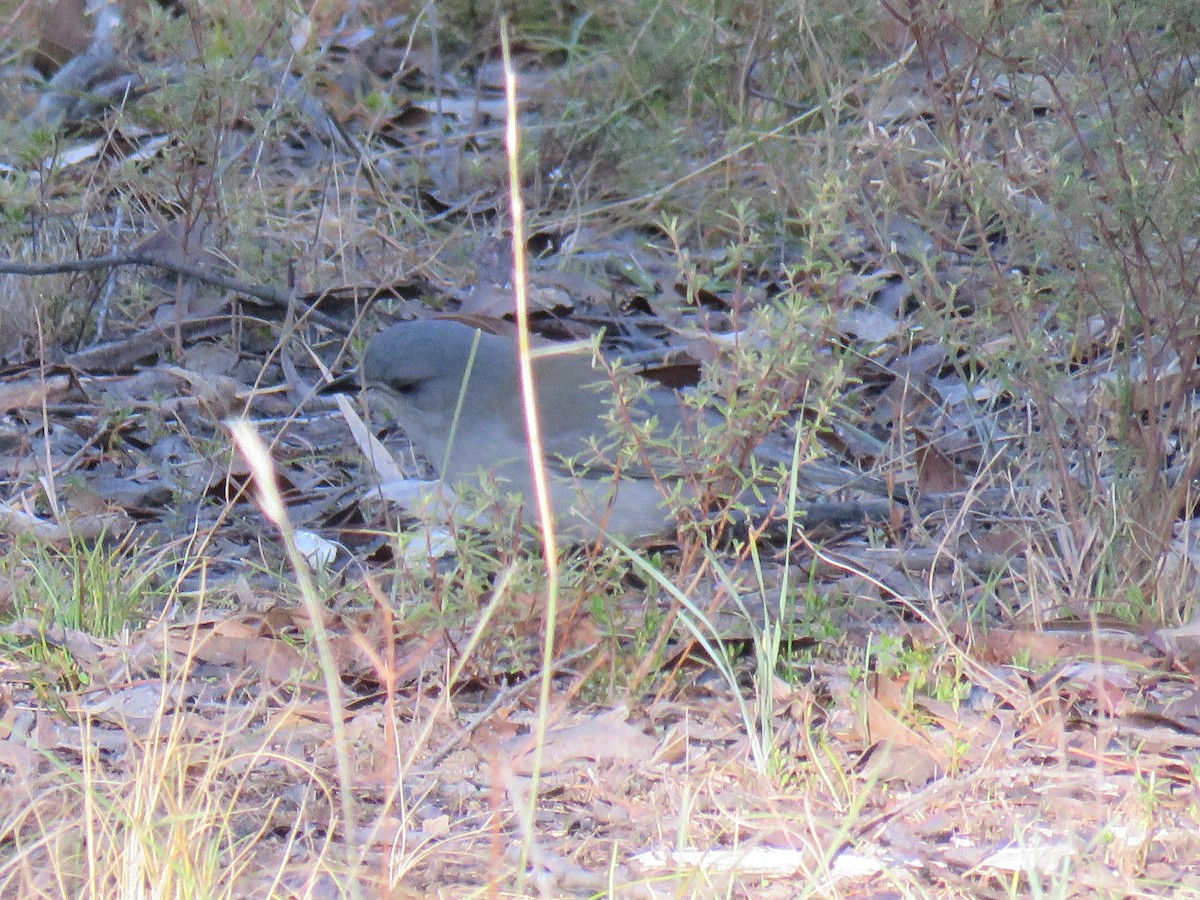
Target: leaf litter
(954,703)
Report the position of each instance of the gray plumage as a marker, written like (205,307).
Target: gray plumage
(417,369)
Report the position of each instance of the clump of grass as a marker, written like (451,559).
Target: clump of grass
(97,587)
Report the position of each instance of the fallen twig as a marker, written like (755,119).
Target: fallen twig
(135,258)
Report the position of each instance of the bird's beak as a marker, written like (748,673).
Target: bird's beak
(344,384)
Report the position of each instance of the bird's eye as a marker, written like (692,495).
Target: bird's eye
(404,387)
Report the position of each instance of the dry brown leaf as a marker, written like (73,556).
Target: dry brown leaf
(494,301)
(26,393)
(892,763)
(1046,647)
(936,472)
(981,736)
(25,761)
(64,31)
(182,241)
(606,738)
(274,660)
(903,401)
(1003,539)
(884,726)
